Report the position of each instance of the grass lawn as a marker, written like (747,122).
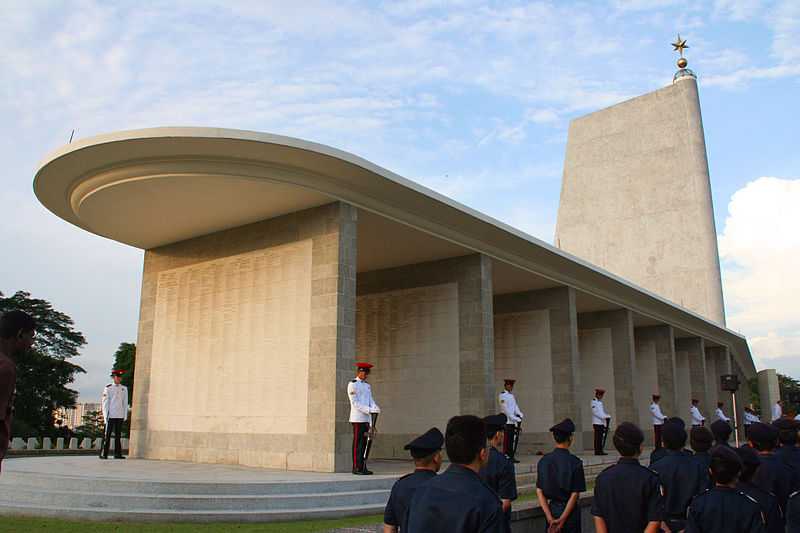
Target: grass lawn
(15,524)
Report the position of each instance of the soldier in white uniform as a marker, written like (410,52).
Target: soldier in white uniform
(510,408)
(363,413)
(720,414)
(750,417)
(777,410)
(114,404)
(658,420)
(694,412)
(600,421)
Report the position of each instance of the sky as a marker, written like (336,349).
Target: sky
(472,99)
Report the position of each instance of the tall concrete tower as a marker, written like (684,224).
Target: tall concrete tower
(636,195)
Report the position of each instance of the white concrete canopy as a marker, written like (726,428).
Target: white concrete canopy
(153,187)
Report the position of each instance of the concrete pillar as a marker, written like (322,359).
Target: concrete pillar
(712,382)
(694,349)
(17,443)
(86,443)
(73,443)
(769,392)
(60,443)
(720,355)
(278,298)
(655,367)
(608,360)
(429,330)
(47,443)
(536,342)
(32,444)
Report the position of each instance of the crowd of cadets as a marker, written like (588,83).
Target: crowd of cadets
(712,488)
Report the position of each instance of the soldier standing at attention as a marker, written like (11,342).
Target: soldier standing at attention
(680,476)
(720,413)
(724,509)
(510,408)
(560,481)
(600,421)
(458,501)
(498,472)
(750,418)
(427,453)
(777,411)
(694,412)
(658,420)
(115,411)
(362,407)
(627,496)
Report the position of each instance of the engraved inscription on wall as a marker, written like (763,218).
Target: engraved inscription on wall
(231,344)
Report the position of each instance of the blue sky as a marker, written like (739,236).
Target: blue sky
(472,99)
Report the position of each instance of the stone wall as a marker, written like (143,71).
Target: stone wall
(246,342)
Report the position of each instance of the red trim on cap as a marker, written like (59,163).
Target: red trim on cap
(364,365)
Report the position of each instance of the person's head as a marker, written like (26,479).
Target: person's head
(363,370)
(725,466)
(495,429)
(701,439)
(599,393)
(656,398)
(762,437)
(628,439)
(117,378)
(750,463)
(695,402)
(779,402)
(747,409)
(17,330)
(721,430)
(563,432)
(673,435)
(508,384)
(676,420)
(465,440)
(426,450)
(787,431)
(720,405)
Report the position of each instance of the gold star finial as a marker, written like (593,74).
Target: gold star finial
(680,45)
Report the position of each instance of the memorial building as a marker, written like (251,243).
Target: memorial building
(272,264)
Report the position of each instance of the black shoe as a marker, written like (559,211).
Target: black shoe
(119,457)
(103,457)
(366,472)
(358,473)
(515,460)
(600,453)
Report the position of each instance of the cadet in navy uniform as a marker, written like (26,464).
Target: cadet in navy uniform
(498,472)
(600,421)
(787,436)
(560,481)
(659,453)
(793,513)
(114,404)
(724,509)
(680,476)
(510,408)
(362,409)
(701,439)
(458,501)
(767,501)
(627,496)
(722,432)
(773,475)
(427,453)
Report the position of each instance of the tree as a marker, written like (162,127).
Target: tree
(125,359)
(92,426)
(790,393)
(44,371)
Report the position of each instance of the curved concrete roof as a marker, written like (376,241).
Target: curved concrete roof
(152,187)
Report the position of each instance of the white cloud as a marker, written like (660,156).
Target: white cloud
(738,10)
(760,252)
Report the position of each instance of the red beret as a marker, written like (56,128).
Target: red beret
(365,366)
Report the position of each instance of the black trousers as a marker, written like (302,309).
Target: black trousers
(598,437)
(511,440)
(360,430)
(115,425)
(657,435)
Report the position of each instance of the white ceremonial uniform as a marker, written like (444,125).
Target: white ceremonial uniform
(658,416)
(508,404)
(721,415)
(777,412)
(697,418)
(114,402)
(750,418)
(599,415)
(361,402)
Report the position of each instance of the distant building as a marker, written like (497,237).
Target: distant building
(73,417)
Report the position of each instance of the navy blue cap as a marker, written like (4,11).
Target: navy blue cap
(566,426)
(675,420)
(427,443)
(495,423)
(721,429)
